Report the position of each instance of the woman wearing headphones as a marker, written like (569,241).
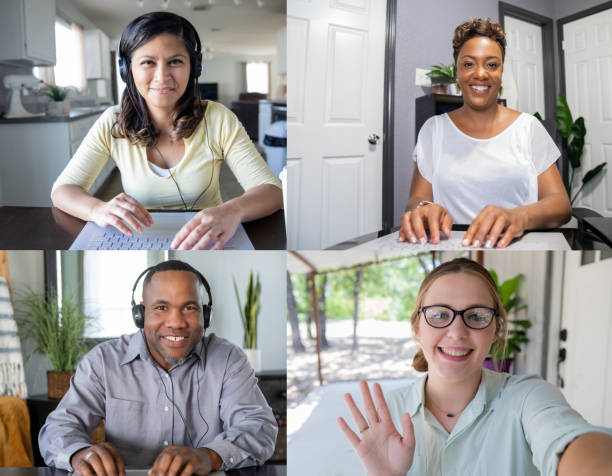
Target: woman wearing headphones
(168,144)
(460,418)
(483,164)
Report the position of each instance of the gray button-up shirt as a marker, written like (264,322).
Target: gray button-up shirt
(210,400)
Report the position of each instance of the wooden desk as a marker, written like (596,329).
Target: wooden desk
(577,238)
(49,228)
(265,470)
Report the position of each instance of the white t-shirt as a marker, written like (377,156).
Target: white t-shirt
(467,174)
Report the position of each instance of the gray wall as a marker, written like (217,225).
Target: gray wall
(423,37)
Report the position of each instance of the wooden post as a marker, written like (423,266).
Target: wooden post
(315,310)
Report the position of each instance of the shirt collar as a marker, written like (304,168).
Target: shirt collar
(490,386)
(138,348)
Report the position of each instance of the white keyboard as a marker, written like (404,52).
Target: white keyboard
(112,240)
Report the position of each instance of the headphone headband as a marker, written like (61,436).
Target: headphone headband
(138,310)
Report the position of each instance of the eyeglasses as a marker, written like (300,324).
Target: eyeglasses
(478,317)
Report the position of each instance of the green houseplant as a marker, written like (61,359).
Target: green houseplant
(501,359)
(58,104)
(57,331)
(441,76)
(573,133)
(249,314)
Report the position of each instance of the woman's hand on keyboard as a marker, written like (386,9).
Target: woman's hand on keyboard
(211,226)
(120,212)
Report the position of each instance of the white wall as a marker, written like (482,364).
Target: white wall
(227,71)
(219,267)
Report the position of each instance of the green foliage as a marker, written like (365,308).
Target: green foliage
(56,330)
(442,72)
(517,329)
(573,133)
(56,93)
(396,282)
(250,311)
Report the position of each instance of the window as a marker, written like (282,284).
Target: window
(257,77)
(102,282)
(69,69)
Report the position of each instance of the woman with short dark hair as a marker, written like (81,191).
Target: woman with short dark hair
(483,164)
(168,144)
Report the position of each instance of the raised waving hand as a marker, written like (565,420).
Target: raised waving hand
(379,446)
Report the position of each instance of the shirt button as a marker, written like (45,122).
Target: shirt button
(165,443)
(231,460)
(165,409)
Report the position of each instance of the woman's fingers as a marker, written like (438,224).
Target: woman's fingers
(350,434)
(138,210)
(446,223)
(381,403)
(358,418)
(416,220)
(368,403)
(498,227)
(407,431)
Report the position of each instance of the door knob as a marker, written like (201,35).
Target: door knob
(373,139)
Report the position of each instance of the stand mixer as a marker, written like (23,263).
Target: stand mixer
(16,82)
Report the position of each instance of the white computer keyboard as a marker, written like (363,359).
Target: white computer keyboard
(117,241)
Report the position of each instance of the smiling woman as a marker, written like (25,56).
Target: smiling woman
(168,144)
(464,417)
(483,164)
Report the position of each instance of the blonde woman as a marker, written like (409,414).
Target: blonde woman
(460,418)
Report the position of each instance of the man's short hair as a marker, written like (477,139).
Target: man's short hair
(174,265)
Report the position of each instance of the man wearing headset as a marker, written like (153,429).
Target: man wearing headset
(171,398)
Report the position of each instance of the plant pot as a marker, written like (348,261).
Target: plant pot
(253,356)
(498,366)
(59,108)
(58,383)
(454,89)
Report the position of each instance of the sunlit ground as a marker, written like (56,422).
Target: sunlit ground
(385,351)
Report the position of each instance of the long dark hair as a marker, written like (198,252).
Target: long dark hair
(134,122)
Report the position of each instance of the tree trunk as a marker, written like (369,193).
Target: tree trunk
(356,290)
(322,315)
(293,318)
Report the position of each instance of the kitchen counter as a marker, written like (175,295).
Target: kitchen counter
(75,114)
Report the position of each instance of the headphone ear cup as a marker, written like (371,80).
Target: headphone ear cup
(206,312)
(138,313)
(123,69)
(197,67)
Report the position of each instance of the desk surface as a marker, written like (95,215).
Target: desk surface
(578,239)
(265,470)
(49,228)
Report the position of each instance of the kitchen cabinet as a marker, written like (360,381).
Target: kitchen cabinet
(27,32)
(35,152)
(97,55)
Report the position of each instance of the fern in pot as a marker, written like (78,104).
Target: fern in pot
(249,314)
(56,329)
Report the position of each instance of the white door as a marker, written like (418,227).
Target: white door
(587,46)
(524,60)
(335,63)
(587,316)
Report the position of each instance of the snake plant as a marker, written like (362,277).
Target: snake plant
(250,311)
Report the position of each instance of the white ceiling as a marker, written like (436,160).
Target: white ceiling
(244,29)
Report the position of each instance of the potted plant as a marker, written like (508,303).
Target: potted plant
(502,359)
(573,133)
(249,314)
(441,76)
(58,104)
(57,331)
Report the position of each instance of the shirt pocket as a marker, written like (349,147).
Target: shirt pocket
(125,420)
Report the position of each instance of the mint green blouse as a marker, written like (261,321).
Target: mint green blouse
(516,424)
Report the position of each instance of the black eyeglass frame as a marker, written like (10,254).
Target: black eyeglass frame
(424,308)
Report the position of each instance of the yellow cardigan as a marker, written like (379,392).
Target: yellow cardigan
(228,141)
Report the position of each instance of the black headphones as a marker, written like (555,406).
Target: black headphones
(195,56)
(138,310)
